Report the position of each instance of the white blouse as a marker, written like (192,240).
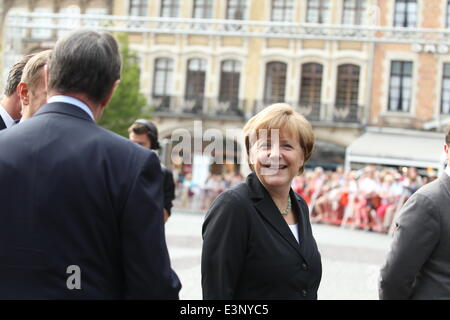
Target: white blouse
(294,229)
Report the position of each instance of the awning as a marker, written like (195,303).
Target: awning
(398,147)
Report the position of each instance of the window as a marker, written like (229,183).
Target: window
(69,23)
(347,85)
(445,96)
(229,81)
(162,79)
(353,12)
(311,84)
(317,11)
(405,13)
(203,9)
(40,33)
(138,8)
(169,8)
(275,87)
(16,32)
(400,86)
(282,10)
(97,12)
(236,9)
(195,81)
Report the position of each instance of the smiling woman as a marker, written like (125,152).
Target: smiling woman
(258,242)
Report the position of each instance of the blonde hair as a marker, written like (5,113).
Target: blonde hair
(281,116)
(33,69)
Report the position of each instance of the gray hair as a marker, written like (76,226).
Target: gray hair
(86,62)
(32,71)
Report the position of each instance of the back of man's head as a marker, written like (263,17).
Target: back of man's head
(32,71)
(15,74)
(84,62)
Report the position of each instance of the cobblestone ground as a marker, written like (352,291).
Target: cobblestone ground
(351,259)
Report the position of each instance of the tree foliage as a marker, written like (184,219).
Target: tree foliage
(128,102)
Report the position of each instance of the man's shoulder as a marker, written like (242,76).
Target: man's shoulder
(433,192)
(430,189)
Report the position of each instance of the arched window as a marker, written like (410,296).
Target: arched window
(170,8)
(41,33)
(138,8)
(195,79)
(236,9)
(311,84)
(347,85)
(317,11)
(275,86)
(163,78)
(70,22)
(353,11)
(203,9)
(346,108)
(282,10)
(230,73)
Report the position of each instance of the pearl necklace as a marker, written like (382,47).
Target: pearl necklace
(288,209)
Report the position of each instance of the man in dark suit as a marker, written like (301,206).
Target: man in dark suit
(10,105)
(145,133)
(418,264)
(81,206)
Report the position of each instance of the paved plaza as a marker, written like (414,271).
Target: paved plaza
(351,259)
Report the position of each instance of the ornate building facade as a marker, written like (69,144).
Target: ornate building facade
(350,66)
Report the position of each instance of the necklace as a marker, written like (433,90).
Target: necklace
(289,206)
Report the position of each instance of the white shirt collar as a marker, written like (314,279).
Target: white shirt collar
(74,101)
(6,117)
(447,170)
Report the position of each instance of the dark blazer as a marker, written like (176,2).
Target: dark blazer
(73,193)
(2,124)
(249,252)
(418,264)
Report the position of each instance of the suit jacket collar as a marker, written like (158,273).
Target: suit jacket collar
(64,108)
(2,124)
(269,211)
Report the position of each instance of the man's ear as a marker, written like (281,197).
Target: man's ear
(22,91)
(108,98)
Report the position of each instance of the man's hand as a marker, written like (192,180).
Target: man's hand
(166,215)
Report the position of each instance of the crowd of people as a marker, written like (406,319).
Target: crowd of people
(368,198)
(193,196)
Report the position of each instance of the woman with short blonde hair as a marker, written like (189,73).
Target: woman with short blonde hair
(257,238)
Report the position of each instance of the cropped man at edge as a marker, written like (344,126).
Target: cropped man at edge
(81,206)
